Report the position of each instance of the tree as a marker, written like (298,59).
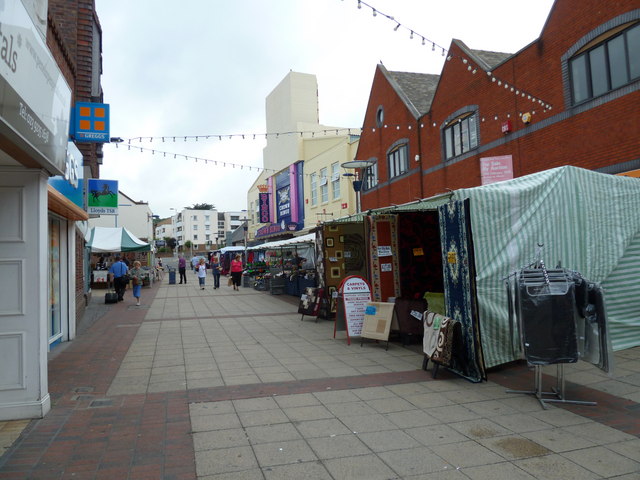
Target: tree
(171,242)
(203,206)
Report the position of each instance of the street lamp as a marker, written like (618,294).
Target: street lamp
(360,167)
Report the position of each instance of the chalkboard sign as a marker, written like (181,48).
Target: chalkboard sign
(354,295)
(310,302)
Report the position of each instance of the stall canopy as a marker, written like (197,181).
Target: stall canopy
(115,239)
(587,221)
(308,239)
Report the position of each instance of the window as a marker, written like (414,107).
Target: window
(608,65)
(398,161)
(206,218)
(460,136)
(335,181)
(324,185)
(194,218)
(370,179)
(314,188)
(195,227)
(195,237)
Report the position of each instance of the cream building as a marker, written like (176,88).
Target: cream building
(303,179)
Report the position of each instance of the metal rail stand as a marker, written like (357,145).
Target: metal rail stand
(557,392)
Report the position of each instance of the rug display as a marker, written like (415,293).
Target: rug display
(458,267)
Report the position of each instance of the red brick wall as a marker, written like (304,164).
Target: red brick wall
(404,188)
(594,138)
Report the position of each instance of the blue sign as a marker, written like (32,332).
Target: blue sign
(70,185)
(90,122)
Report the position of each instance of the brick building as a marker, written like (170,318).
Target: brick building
(74,37)
(570,97)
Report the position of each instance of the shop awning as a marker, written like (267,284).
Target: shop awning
(115,239)
(309,238)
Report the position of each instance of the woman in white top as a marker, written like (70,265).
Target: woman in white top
(201,270)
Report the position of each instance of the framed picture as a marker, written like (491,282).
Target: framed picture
(341,238)
(333,228)
(335,272)
(329,242)
(338,253)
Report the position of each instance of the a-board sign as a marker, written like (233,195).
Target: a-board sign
(354,295)
(377,320)
(310,301)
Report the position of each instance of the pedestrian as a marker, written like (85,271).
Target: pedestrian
(136,274)
(215,271)
(194,263)
(236,271)
(118,272)
(182,268)
(201,270)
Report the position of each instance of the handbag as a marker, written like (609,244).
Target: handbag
(135,281)
(230,282)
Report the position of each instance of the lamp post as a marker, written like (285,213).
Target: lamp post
(360,167)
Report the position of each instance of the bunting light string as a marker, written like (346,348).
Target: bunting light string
(507,86)
(177,156)
(340,131)
(245,136)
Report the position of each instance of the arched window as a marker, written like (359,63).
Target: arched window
(608,62)
(460,135)
(398,160)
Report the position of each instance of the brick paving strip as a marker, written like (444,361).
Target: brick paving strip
(142,436)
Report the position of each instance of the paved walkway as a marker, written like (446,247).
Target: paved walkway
(222,385)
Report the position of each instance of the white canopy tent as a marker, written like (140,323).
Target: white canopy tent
(114,239)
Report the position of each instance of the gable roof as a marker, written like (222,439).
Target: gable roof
(415,89)
(485,59)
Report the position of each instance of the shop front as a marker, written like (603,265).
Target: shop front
(34,126)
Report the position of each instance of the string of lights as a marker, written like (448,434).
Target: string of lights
(470,66)
(303,134)
(197,159)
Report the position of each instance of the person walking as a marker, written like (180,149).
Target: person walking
(182,268)
(236,271)
(201,270)
(215,271)
(194,263)
(136,274)
(118,272)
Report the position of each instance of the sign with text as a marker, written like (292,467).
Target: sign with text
(496,169)
(265,206)
(102,196)
(36,98)
(356,294)
(91,122)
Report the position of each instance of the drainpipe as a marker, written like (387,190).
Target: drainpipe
(419,130)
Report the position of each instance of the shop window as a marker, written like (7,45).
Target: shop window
(398,160)
(460,135)
(607,63)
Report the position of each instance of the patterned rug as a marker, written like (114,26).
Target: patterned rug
(460,289)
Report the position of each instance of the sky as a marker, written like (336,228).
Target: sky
(205,67)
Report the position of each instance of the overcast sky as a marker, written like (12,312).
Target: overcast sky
(201,67)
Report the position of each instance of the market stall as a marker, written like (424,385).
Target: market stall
(105,242)
(462,245)
(287,266)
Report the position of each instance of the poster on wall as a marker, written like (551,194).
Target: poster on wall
(496,169)
(102,196)
(355,294)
